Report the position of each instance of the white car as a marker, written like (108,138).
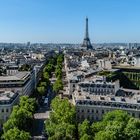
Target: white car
(46,101)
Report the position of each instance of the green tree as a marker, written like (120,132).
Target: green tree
(58,72)
(25,67)
(86,137)
(105,135)
(132,130)
(21,114)
(46,75)
(60,59)
(63,111)
(58,85)
(57,136)
(98,126)
(16,134)
(9,124)
(45,69)
(44,84)
(61,131)
(28,103)
(48,68)
(84,128)
(52,61)
(19,118)
(117,115)
(61,124)
(41,90)
(116,129)
(112,126)
(50,127)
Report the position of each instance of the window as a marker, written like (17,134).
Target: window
(82,110)
(92,118)
(78,117)
(96,111)
(82,117)
(7,110)
(92,111)
(88,110)
(133,114)
(2,110)
(102,111)
(97,118)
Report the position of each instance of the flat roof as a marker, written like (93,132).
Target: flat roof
(18,76)
(6,95)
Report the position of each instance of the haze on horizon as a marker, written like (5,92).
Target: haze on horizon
(63,21)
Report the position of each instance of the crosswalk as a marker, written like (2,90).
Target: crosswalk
(42,115)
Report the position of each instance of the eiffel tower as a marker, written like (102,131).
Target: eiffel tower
(86,43)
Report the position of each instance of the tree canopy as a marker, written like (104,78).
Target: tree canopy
(116,125)
(61,124)
(58,85)
(21,118)
(84,130)
(25,67)
(16,134)
(41,90)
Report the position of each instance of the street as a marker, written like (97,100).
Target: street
(40,116)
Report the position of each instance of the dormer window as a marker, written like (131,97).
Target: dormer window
(123,99)
(102,98)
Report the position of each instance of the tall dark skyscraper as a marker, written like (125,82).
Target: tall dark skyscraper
(86,43)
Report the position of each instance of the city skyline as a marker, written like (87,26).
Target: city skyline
(64,21)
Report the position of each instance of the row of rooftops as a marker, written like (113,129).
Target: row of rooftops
(78,75)
(116,105)
(122,98)
(96,82)
(111,100)
(90,81)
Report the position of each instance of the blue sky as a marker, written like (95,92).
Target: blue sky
(63,21)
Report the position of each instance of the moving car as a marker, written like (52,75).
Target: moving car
(46,101)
